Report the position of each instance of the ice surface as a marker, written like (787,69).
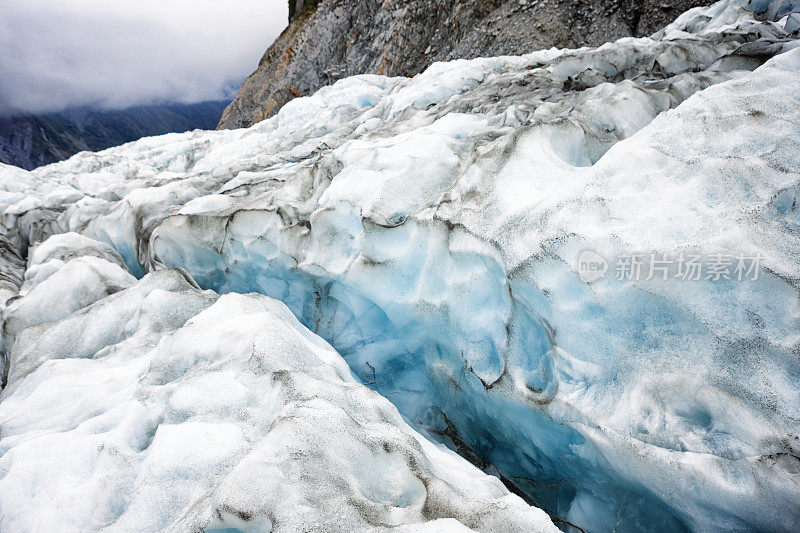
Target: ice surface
(429,230)
(165,407)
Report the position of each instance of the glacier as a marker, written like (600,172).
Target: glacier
(429,230)
(162,407)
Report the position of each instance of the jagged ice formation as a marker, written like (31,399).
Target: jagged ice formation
(160,406)
(428,229)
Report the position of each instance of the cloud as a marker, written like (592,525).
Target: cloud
(117,53)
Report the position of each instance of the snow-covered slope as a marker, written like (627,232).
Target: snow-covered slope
(430,230)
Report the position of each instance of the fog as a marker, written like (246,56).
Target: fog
(114,54)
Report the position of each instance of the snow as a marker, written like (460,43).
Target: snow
(57,283)
(429,230)
(165,407)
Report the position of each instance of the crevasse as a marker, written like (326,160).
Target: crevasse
(429,229)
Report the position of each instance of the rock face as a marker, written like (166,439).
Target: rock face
(330,39)
(30,141)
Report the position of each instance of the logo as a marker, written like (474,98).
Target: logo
(591,266)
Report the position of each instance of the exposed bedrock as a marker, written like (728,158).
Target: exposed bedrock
(328,40)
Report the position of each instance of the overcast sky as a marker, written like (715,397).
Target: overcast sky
(116,53)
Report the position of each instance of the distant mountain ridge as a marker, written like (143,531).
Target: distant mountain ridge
(30,141)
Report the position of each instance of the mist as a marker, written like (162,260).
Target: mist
(112,55)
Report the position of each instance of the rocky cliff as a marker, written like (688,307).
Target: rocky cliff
(327,40)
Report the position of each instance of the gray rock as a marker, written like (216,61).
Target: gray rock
(327,40)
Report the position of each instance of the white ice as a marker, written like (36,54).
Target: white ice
(429,229)
(167,408)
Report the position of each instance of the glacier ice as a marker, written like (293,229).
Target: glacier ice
(428,229)
(164,407)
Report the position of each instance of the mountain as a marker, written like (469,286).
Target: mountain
(327,40)
(29,141)
(577,268)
